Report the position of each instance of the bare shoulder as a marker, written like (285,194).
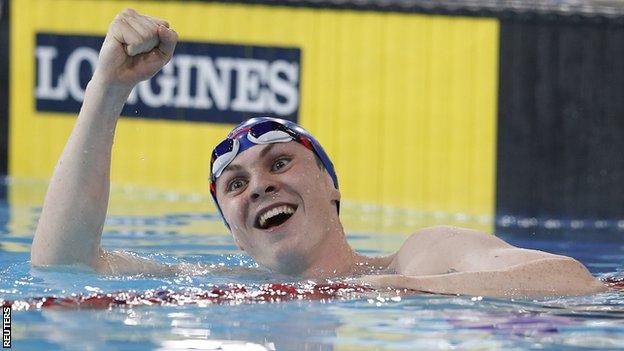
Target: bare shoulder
(434,250)
(448,249)
(444,234)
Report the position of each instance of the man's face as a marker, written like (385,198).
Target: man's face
(279,204)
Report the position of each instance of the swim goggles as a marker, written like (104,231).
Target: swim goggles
(262,131)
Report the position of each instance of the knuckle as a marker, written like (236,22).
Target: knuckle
(141,37)
(128,12)
(118,19)
(143,17)
(152,26)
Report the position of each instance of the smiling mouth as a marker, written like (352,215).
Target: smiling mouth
(275,216)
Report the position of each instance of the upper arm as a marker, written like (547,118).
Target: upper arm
(58,242)
(446,249)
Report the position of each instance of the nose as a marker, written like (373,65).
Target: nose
(262,187)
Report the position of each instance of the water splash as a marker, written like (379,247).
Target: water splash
(228,294)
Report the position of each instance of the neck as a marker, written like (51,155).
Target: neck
(336,258)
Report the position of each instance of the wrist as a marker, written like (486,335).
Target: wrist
(104,99)
(108,87)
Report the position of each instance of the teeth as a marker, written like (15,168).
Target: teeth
(274,212)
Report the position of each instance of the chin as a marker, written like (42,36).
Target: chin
(286,259)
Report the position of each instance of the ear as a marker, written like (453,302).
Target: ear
(334,193)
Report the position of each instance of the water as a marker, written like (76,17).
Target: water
(172,228)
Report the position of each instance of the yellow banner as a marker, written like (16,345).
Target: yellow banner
(405,104)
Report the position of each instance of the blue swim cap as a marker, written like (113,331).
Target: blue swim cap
(262,131)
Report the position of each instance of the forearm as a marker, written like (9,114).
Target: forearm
(70,226)
(545,277)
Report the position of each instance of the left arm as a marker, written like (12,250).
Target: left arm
(543,277)
(452,260)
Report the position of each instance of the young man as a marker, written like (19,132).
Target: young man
(278,194)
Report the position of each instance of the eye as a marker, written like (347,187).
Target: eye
(236,184)
(280,163)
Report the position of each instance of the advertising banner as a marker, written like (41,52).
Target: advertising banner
(405,104)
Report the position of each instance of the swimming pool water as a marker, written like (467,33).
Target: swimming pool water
(172,228)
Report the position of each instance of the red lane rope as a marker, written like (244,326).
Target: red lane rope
(614,282)
(230,294)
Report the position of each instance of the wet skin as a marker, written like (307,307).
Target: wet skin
(264,177)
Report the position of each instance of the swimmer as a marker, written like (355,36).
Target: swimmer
(278,194)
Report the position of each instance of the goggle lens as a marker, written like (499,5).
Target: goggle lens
(255,132)
(260,129)
(223,148)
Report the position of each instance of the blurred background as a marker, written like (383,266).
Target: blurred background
(499,115)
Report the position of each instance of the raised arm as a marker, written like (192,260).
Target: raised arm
(70,227)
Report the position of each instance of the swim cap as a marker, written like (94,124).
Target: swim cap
(262,131)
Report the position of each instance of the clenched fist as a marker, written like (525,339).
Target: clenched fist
(135,48)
